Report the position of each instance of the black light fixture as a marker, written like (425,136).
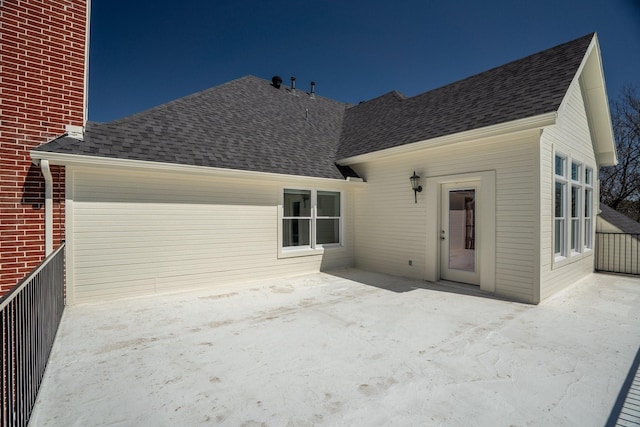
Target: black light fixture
(415,185)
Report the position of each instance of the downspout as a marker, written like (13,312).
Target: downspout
(48,207)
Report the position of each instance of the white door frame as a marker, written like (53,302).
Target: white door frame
(446,238)
(486,225)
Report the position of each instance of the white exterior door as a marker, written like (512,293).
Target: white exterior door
(459,237)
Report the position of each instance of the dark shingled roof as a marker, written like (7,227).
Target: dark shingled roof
(524,88)
(623,222)
(247,124)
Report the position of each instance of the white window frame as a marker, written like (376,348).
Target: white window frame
(576,231)
(575,245)
(313,248)
(588,209)
(308,218)
(318,217)
(560,179)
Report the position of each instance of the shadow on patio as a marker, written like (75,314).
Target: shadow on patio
(626,410)
(401,285)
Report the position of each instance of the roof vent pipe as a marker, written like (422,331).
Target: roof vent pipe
(313,90)
(293,83)
(276,81)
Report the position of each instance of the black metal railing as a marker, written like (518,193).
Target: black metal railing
(618,252)
(29,317)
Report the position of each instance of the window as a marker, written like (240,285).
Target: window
(576,186)
(560,206)
(297,218)
(328,218)
(311,219)
(573,210)
(588,208)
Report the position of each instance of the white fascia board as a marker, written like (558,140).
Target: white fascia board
(607,159)
(599,109)
(81,160)
(520,125)
(591,76)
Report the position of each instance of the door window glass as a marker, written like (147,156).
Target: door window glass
(462,230)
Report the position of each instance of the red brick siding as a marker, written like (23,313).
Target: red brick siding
(42,84)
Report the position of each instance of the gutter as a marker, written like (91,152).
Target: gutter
(48,207)
(83,160)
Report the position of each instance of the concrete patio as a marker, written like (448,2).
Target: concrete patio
(346,348)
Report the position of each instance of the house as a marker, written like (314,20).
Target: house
(255,179)
(612,221)
(43,57)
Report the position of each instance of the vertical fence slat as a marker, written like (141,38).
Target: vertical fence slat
(618,253)
(30,314)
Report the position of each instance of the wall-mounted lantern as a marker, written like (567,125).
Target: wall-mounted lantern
(415,185)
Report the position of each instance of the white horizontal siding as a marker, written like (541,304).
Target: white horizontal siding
(571,137)
(391,228)
(135,233)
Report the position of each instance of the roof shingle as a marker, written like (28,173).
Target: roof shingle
(524,88)
(623,222)
(247,124)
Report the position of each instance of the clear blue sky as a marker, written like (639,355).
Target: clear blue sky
(147,52)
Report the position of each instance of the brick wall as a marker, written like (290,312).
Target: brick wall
(42,89)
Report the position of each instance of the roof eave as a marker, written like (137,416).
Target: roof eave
(520,125)
(83,160)
(592,84)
